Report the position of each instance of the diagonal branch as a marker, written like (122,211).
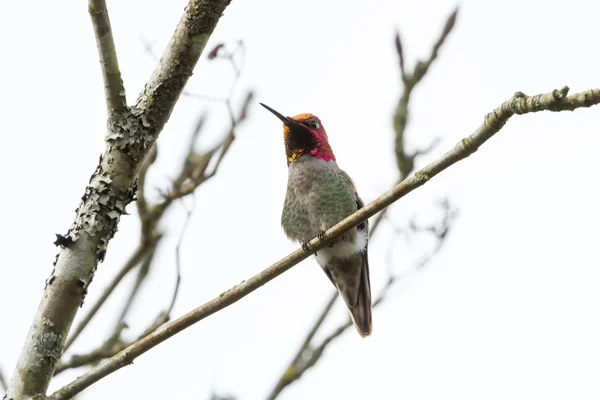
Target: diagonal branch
(111,74)
(131,134)
(493,122)
(192,175)
(3,385)
(138,255)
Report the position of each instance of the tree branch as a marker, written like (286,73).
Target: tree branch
(192,175)
(114,91)
(131,134)
(138,255)
(3,386)
(493,122)
(404,160)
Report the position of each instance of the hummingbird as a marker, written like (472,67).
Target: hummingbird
(319,195)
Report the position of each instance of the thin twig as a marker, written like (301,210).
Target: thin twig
(3,385)
(137,256)
(110,347)
(188,217)
(404,160)
(137,284)
(192,175)
(111,74)
(292,372)
(493,122)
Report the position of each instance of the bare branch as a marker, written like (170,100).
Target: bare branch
(404,160)
(188,217)
(110,347)
(142,204)
(141,277)
(558,100)
(3,385)
(131,134)
(293,371)
(193,169)
(138,255)
(113,85)
(400,52)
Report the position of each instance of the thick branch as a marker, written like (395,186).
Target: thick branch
(111,74)
(192,175)
(493,122)
(130,137)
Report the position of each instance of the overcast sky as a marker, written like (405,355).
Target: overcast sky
(509,309)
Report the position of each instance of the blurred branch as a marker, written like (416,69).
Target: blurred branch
(111,74)
(3,385)
(557,100)
(405,160)
(141,276)
(406,164)
(215,396)
(131,134)
(220,51)
(193,173)
(110,347)
(138,255)
(189,212)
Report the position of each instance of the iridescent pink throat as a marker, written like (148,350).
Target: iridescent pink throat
(324,153)
(322,149)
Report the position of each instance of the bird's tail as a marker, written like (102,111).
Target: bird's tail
(361,311)
(350,276)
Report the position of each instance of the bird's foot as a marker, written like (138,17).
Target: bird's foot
(321,235)
(305,247)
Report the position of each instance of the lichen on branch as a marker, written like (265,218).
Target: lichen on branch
(131,134)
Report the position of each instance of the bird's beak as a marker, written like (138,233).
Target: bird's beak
(285,120)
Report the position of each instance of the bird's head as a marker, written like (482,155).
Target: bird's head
(304,136)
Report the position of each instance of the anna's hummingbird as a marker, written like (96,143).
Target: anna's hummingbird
(319,195)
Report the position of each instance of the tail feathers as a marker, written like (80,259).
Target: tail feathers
(350,276)
(361,311)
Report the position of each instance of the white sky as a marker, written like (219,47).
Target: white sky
(507,310)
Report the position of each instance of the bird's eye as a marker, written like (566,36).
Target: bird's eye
(313,124)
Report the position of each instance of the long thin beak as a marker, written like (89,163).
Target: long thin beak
(283,119)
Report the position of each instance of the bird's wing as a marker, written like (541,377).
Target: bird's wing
(363,226)
(360,305)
